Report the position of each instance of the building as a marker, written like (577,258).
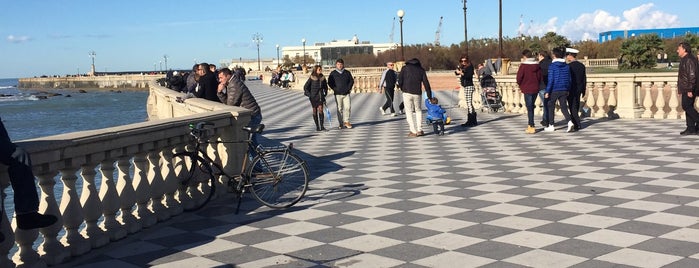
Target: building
(662,33)
(327,53)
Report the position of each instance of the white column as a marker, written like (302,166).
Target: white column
(127,197)
(142,188)
(171,183)
(648,101)
(660,101)
(92,208)
(157,187)
(110,202)
(72,214)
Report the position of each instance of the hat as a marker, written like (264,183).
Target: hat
(572,51)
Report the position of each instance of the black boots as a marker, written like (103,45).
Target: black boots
(471,121)
(318,120)
(35,220)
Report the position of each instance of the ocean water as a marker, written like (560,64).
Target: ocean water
(26,114)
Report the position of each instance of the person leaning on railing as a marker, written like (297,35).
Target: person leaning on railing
(26,198)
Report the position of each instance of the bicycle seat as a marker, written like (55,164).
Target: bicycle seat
(254,129)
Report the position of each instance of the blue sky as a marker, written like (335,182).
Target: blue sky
(55,37)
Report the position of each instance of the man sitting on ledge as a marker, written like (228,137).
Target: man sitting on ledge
(22,181)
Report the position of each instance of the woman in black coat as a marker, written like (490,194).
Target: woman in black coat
(316,88)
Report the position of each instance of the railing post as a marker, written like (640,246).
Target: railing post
(143,196)
(92,208)
(660,101)
(171,183)
(72,213)
(127,196)
(110,202)
(674,102)
(627,105)
(157,187)
(648,100)
(54,251)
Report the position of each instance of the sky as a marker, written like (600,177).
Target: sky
(41,37)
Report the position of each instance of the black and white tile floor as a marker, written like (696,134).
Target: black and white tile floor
(619,193)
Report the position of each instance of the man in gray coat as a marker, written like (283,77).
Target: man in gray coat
(232,91)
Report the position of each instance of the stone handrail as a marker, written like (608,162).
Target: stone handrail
(639,95)
(117,181)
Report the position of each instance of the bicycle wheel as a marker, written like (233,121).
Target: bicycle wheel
(197,184)
(278,179)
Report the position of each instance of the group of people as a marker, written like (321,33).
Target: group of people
(316,87)
(281,78)
(559,79)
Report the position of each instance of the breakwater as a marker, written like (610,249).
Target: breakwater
(131,81)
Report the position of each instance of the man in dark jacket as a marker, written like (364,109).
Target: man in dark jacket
(578,81)
(206,86)
(544,62)
(341,82)
(687,86)
(232,91)
(387,86)
(411,78)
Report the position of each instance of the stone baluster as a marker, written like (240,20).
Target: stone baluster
(514,98)
(522,105)
(157,187)
(538,108)
(143,197)
(72,214)
(591,99)
(92,208)
(601,102)
(127,197)
(54,251)
(647,100)
(660,101)
(110,202)
(9,242)
(26,256)
(505,97)
(674,103)
(171,183)
(612,95)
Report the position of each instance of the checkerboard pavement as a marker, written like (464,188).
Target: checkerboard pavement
(618,193)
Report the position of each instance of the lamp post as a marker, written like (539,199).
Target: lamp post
(465,29)
(92,55)
(303,41)
(257,38)
(522,41)
(161,66)
(165,57)
(500,32)
(400,14)
(278,59)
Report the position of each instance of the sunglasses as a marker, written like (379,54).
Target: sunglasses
(463,60)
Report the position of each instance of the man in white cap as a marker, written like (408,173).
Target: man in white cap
(578,80)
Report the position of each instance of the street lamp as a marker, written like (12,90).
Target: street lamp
(400,14)
(257,38)
(465,28)
(278,59)
(304,51)
(500,55)
(165,57)
(161,66)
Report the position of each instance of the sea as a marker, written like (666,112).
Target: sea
(32,113)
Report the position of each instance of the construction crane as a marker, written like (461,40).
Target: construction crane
(436,34)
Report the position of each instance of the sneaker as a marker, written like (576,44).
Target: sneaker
(348,125)
(394,114)
(382,111)
(35,220)
(420,133)
(550,128)
(570,126)
(412,135)
(544,123)
(441,133)
(530,130)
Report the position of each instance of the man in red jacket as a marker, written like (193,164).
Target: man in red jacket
(528,78)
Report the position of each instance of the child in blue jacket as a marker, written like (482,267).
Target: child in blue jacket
(436,115)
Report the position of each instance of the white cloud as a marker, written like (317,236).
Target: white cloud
(18,39)
(587,26)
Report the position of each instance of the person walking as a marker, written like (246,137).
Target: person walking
(465,72)
(557,89)
(528,78)
(232,91)
(578,81)
(26,199)
(341,82)
(412,78)
(687,86)
(544,63)
(387,87)
(316,88)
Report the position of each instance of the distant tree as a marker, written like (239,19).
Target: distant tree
(640,52)
(552,39)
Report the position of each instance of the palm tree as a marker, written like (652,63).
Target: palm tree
(640,52)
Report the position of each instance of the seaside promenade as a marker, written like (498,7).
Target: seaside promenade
(618,193)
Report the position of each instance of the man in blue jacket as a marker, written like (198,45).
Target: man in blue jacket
(557,88)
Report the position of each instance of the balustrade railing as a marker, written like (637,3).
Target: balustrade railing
(109,183)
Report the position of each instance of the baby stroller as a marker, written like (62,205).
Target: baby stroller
(490,97)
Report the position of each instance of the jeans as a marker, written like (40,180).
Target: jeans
(255,120)
(412,104)
(562,97)
(691,115)
(343,108)
(20,171)
(529,102)
(544,102)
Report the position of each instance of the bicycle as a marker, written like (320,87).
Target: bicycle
(276,177)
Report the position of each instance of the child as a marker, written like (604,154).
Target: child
(436,115)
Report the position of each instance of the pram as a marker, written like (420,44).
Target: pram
(491,99)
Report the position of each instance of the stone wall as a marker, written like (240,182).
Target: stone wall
(136,81)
